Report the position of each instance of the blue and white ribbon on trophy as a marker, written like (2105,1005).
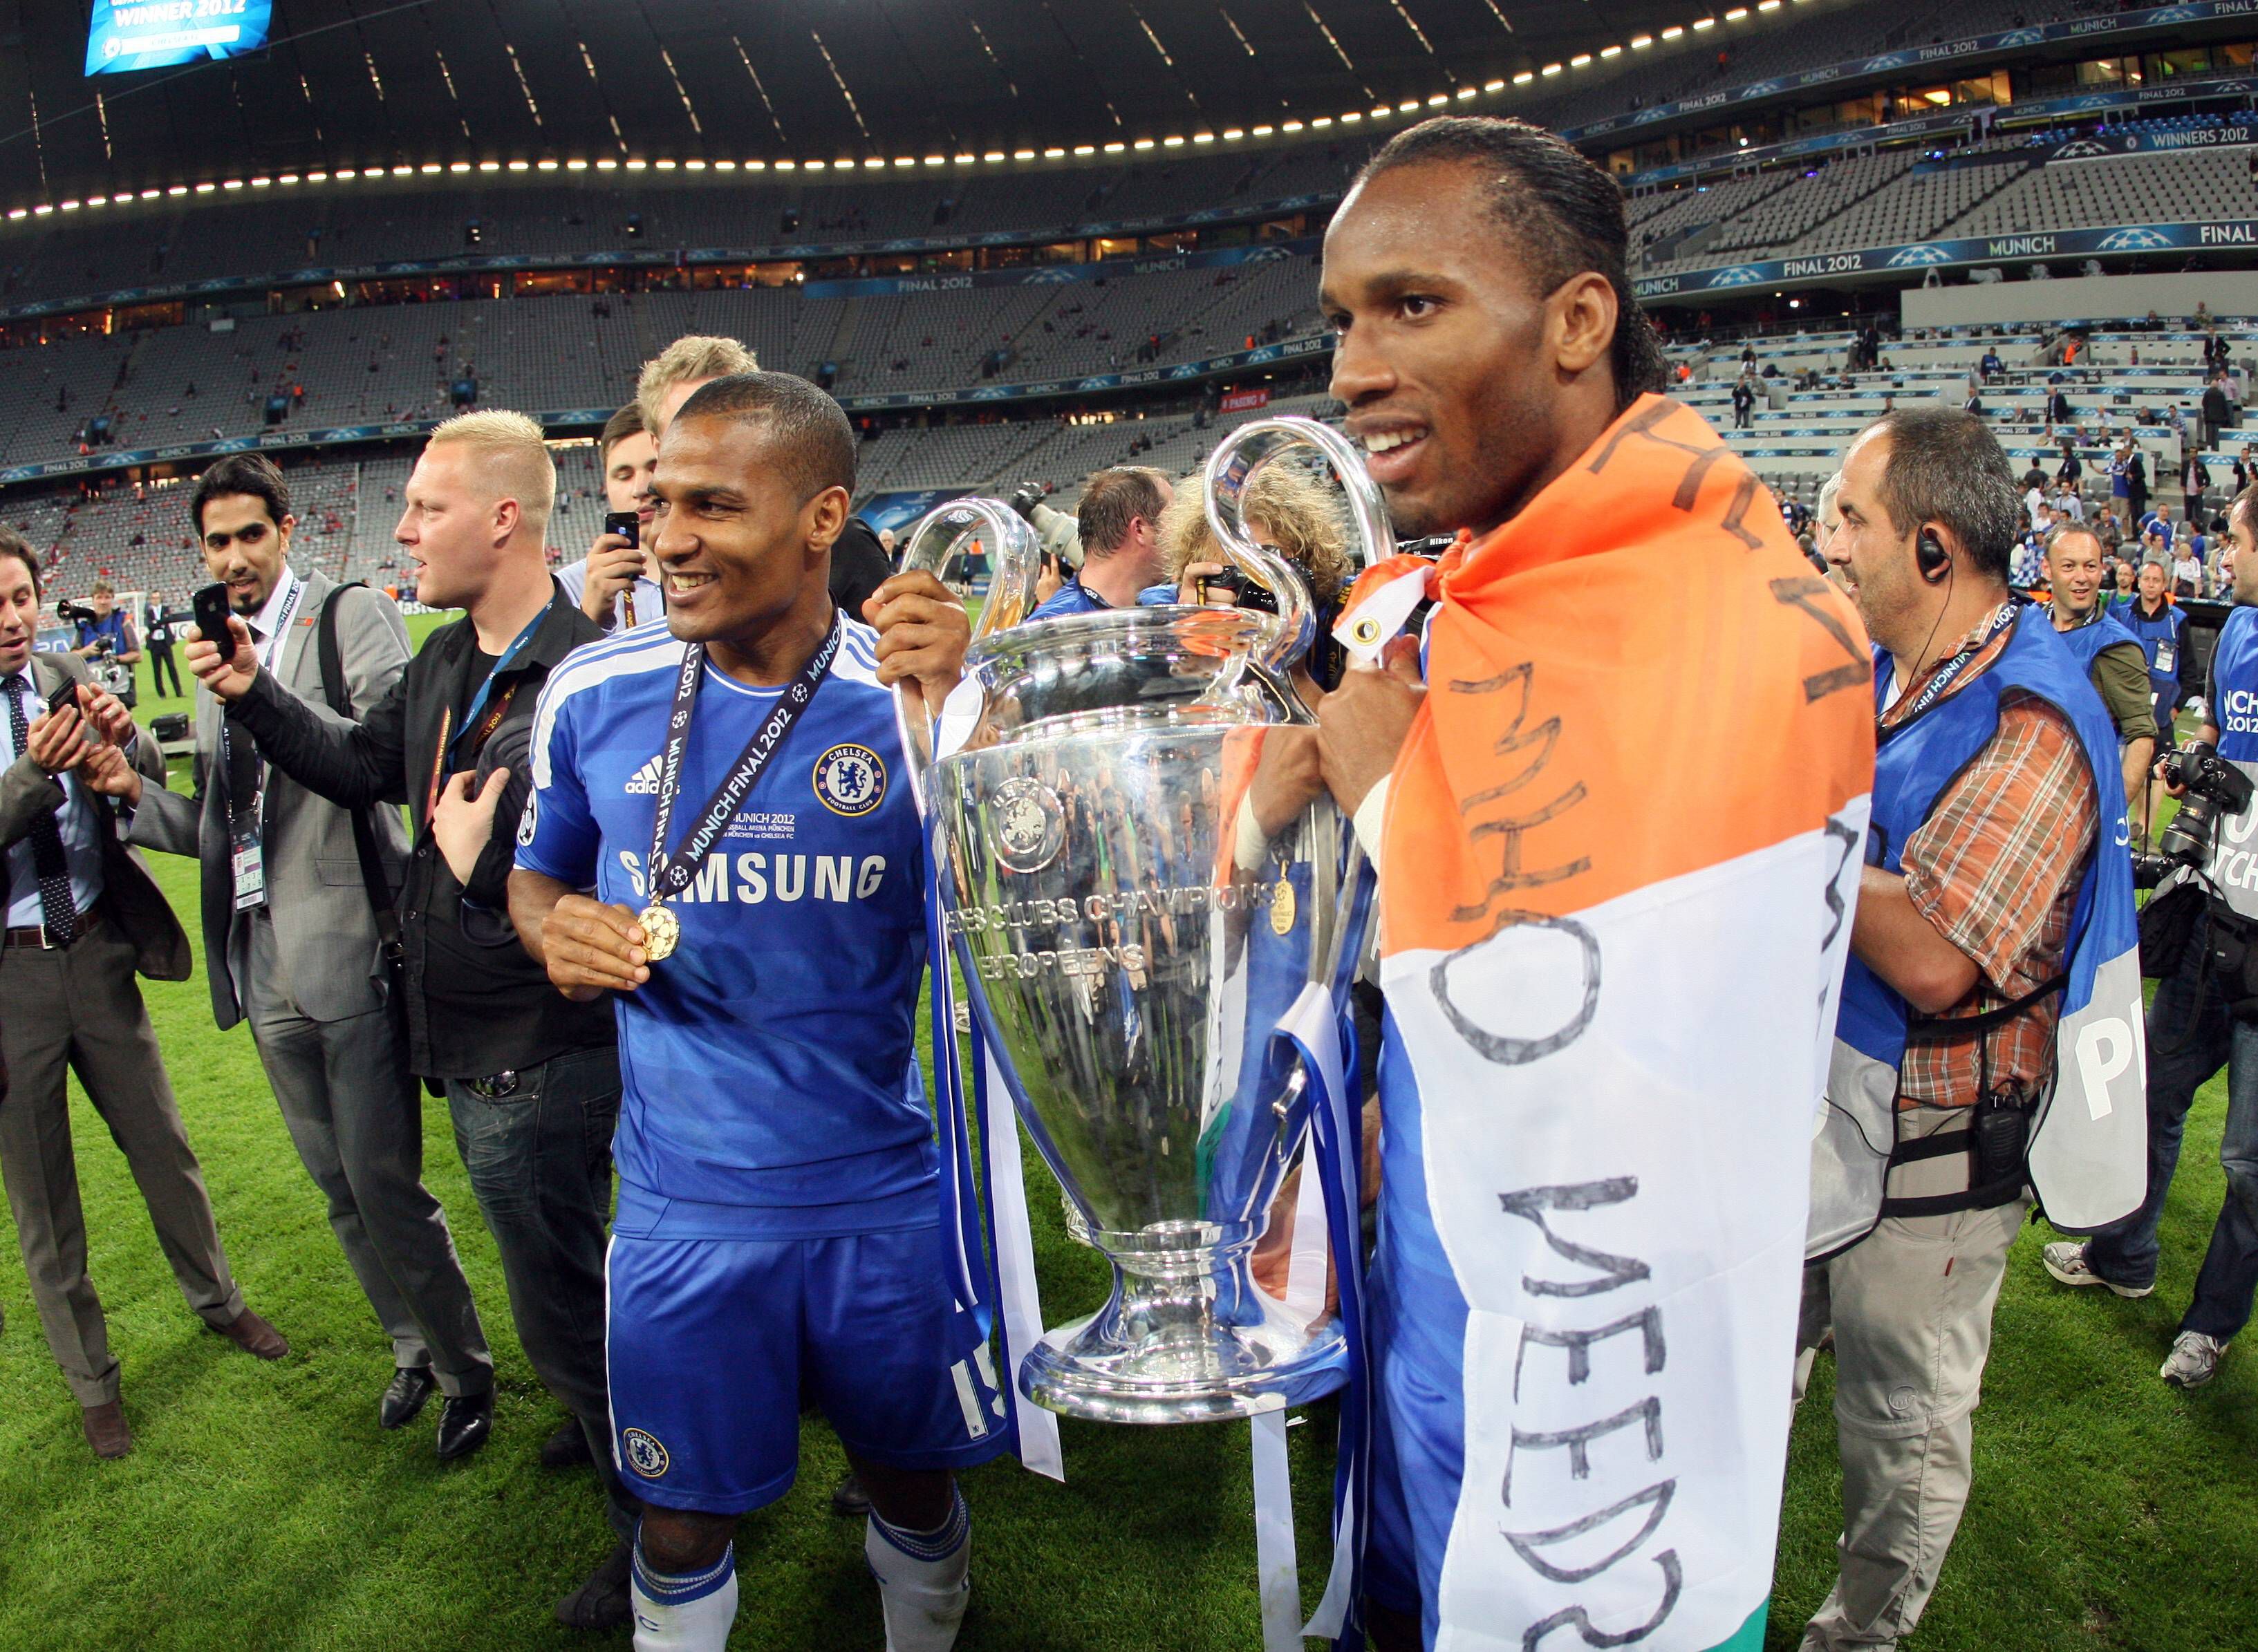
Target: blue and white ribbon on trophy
(992,1244)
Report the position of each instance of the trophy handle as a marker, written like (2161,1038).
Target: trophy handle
(936,542)
(1236,461)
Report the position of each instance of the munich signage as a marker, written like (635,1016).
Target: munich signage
(1686,285)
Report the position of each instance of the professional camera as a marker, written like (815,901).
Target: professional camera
(1245,592)
(2213,783)
(71,613)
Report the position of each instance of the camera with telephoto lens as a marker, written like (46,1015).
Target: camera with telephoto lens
(71,613)
(2213,783)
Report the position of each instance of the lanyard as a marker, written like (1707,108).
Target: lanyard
(1949,673)
(271,650)
(244,812)
(444,748)
(478,699)
(668,874)
(442,751)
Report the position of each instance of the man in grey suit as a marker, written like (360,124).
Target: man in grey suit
(83,916)
(292,945)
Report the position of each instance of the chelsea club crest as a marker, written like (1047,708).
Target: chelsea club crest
(644,1455)
(850,780)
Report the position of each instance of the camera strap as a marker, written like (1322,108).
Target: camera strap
(1998,1136)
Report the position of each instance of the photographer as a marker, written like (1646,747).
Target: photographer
(2114,664)
(2156,622)
(1993,960)
(1291,512)
(1119,523)
(2205,1015)
(103,628)
(108,640)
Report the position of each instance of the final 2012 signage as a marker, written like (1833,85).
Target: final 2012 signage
(126,35)
(1687,285)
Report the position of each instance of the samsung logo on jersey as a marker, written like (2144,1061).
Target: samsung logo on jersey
(750,878)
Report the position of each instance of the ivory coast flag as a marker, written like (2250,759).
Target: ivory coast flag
(1620,851)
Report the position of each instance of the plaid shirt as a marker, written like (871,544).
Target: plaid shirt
(1996,866)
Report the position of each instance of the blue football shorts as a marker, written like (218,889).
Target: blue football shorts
(712,1341)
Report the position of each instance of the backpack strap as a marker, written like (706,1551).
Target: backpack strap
(380,903)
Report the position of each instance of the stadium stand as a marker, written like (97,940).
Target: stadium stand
(365,363)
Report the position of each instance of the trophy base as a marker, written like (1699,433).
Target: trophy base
(1162,1353)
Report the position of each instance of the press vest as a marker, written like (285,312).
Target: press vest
(2152,634)
(2235,689)
(2088,1142)
(2087,640)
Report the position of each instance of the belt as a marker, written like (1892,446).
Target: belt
(36,934)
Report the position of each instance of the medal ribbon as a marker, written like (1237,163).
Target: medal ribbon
(666,876)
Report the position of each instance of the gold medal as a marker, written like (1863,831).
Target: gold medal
(1281,907)
(662,932)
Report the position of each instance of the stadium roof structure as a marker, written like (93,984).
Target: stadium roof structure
(855,85)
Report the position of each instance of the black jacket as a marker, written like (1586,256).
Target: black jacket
(476,1002)
(858,567)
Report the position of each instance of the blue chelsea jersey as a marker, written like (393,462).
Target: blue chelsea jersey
(769,1065)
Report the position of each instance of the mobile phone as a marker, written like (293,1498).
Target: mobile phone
(211,605)
(626,524)
(64,698)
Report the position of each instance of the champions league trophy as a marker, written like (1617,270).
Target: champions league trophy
(1132,921)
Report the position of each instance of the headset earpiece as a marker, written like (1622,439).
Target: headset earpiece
(1931,557)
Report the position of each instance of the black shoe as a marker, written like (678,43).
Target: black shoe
(464,1422)
(567,1448)
(847,1498)
(411,1386)
(604,1602)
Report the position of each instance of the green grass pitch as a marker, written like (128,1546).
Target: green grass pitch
(263,1508)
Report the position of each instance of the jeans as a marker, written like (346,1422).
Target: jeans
(2191,1036)
(539,1154)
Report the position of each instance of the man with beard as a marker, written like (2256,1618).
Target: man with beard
(299,952)
(1988,1042)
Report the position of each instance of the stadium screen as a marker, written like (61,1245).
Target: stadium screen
(154,35)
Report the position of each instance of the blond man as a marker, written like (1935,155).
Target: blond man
(669,378)
(531,1078)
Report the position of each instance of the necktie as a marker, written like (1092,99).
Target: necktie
(49,864)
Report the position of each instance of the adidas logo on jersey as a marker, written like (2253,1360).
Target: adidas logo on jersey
(644,780)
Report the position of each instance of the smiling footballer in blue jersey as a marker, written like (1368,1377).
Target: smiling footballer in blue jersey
(722,833)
